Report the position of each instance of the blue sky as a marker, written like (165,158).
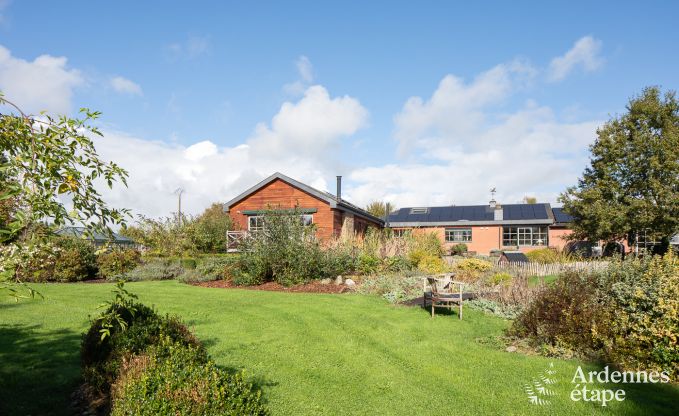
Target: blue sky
(413,102)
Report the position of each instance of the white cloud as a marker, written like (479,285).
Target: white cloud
(455,111)
(585,53)
(305,70)
(46,83)
(299,141)
(461,142)
(125,86)
(190,48)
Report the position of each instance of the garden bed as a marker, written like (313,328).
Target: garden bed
(313,287)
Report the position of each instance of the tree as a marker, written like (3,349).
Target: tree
(632,183)
(380,209)
(530,200)
(49,169)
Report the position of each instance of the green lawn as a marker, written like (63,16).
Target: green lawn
(311,354)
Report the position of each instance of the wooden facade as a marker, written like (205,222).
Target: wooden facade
(331,217)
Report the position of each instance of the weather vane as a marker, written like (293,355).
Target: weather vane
(492,193)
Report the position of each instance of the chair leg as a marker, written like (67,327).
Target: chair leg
(460,309)
(432,308)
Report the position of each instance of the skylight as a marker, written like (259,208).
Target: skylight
(422,210)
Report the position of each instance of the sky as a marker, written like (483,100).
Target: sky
(415,103)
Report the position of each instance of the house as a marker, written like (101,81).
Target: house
(485,228)
(331,215)
(96,238)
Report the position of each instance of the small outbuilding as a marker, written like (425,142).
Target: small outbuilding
(97,239)
(513,257)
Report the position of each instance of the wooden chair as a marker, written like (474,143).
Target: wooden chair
(441,293)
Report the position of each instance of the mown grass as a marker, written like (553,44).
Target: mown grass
(311,354)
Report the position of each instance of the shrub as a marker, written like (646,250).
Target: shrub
(433,265)
(427,243)
(501,279)
(154,269)
(175,379)
(30,261)
(368,264)
(117,261)
(397,264)
(286,252)
(547,256)
(75,261)
(209,269)
(393,287)
(148,364)
(458,249)
(188,263)
(65,259)
(125,327)
(471,269)
(627,314)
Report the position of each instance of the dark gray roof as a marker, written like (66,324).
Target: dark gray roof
(331,199)
(473,214)
(99,237)
(561,217)
(515,256)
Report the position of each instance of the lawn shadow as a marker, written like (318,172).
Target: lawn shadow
(40,370)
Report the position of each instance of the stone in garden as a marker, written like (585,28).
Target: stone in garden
(326,281)
(511,348)
(339,280)
(350,283)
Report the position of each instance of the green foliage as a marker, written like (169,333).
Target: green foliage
(503,310)
(393,287)
(633,181)
(458,249)
(177,379)
(125,327)
(627,314)
(45,161)
(287,252)
(548,255)
(211,268)
(172,236)
(64,259)
(380,209)
(396,264)
(116,261)
(188,263)
(76,260)
(471,269)
(433,265)
(501,279)
(368,264)
(153,269)
(426,243)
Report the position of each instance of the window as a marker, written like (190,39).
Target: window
(458,235)
(524,236)
(256,223)
(419,210)
(401,232)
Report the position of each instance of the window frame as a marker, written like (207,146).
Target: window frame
(525,236)
(461,231)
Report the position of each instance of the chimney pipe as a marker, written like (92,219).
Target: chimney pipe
(339,188)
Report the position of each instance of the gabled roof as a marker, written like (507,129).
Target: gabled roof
(331,199)
(471,215)
(79,232)
(560,217)
(515,256)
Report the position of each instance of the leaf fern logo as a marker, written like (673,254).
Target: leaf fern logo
(538,390)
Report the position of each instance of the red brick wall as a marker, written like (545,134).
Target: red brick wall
(280,194)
